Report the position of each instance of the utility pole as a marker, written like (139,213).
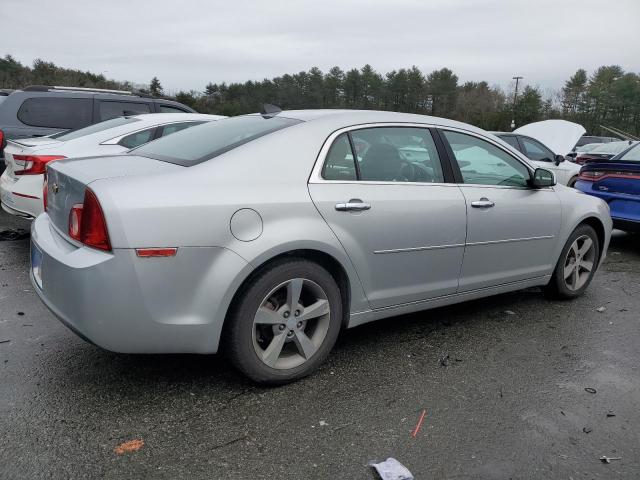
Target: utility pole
(515,97)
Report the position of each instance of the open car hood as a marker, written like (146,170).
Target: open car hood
(559,135)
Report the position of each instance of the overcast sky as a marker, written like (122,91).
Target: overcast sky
(188,43)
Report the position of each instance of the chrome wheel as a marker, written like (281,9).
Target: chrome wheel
(579,263)
(291,324)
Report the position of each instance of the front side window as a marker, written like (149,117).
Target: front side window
(56,112)
(204,142)
(536,151)
(109,109)
(138,138)
(482,163)
(384,154)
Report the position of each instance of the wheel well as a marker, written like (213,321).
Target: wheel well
(321,258)
(597,225)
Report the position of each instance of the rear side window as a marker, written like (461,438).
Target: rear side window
(110,109)
(138,138)
(56,112)
(339,164)
(176,127)
(204,142)
(511,140)
(170,109)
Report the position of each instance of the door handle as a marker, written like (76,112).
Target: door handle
(353,205)
(484,202)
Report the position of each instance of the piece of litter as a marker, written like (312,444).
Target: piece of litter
(13,234)
(600,309)
(129,446)
(419,424)
(444,361)
(605,459)
(323,423)
(611,413)
(392,469)
(590,390)
(509,312)
(21,313)
(587,429)
(5,341)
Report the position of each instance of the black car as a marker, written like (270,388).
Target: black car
(41,110)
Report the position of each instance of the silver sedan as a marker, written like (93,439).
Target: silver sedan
(265,235)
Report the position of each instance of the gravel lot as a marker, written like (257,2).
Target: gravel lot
(502,380)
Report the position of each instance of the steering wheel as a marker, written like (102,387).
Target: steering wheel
(406,173)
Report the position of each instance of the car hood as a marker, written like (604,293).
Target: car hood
(559,135)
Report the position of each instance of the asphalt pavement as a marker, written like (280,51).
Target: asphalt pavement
(513,386)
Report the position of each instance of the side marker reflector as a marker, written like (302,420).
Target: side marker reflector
(156,252)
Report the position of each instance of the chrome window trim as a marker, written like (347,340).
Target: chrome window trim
(316,172)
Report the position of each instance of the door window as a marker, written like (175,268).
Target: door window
(511,140)
(176,127)
(52,112)
(170,109)
(385,154)
(138,138)
(482,163)
(536,151)
(118,109)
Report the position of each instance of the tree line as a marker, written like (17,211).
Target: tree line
(609,96)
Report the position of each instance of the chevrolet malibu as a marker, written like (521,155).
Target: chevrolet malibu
(264,235)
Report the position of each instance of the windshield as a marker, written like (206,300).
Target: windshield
(632,155)
(98,127)
(198,144)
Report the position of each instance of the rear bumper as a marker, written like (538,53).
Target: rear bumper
(625,209)
(128,304)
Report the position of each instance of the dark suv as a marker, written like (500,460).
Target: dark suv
(40,110)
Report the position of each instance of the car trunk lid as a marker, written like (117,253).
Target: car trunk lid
(67,180)
(615,177)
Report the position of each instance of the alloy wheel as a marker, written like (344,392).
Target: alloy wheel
(291,324)
(579,262)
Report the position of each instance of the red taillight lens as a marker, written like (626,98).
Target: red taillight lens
(590,175)
(45,188)
(87,223)
(1,141)
(33,164)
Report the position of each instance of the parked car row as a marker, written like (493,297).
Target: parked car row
(267,234)
(44,110)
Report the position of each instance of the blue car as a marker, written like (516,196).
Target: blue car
(617,182)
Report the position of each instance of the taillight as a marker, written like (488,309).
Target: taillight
(87,223)
(1,141)
(581,160)
(590,175)
(33,164)
(45,188)
(599,175)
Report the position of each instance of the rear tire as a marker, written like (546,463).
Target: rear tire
(285,322)
(576,266)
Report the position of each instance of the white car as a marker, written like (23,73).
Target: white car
(22,182)
(546,144)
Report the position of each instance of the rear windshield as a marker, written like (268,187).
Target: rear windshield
(98,127)
(611,148)
(198,144)
(632,155)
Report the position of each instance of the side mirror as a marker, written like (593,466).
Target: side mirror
(559,159)
(543,178)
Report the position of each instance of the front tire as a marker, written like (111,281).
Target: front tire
(285,322)
(577,264)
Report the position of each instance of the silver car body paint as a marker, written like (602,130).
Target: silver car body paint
(419,246)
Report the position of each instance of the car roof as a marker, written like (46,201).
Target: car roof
(345,118)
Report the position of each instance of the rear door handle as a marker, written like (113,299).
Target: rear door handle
(484,202)
(353,205)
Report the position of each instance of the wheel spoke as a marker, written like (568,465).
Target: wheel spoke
(304,344)
(294,288)
(586,246)
(264,316)
(317,309)
(586,265)
(568,270)
(574,280)
(272,353)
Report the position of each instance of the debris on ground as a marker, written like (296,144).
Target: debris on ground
(444,361)
(419,424)
(509,312)
(129,446)
(605,459)
(20,314)
(13,234)
(587,429)
(611,413)
(600,309)
(323,423)
(5,341)
(392,469)
(590,390)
